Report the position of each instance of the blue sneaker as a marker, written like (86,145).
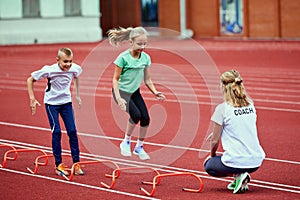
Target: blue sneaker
(125,148)
(141,153)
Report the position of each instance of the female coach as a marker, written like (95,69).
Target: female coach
(235,124)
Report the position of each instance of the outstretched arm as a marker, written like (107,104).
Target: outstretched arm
(33,101)
(150,85)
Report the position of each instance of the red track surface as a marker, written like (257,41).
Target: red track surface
(271,71)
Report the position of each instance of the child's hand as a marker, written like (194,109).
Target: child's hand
(78,99)
(122,103)
(160,96)
(33,103)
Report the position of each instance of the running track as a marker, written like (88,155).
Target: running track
(271,75)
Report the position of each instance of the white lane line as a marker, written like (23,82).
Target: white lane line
(264,184)
(77,184)
(188,101)
(176,85)
(149,143)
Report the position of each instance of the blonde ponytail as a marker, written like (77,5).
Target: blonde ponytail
(233,89)
(116,36)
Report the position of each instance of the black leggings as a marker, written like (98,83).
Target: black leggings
(136,107)
(216,168)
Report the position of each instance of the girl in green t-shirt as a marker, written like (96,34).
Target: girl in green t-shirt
(132,67)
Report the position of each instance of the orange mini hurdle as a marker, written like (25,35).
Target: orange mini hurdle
(16,151)
(7,157)
(117,172)
(38,163)
(88,162)
(157,178)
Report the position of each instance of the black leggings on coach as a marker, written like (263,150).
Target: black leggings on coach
(136,107)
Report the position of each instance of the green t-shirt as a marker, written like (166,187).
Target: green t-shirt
(132,73)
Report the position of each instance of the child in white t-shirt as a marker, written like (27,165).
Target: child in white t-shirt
(57,99)
(234,123)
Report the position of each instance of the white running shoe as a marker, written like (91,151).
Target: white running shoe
(125,148)
(141,153)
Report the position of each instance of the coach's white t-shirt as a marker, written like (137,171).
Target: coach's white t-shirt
(239,136)
(59,82)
